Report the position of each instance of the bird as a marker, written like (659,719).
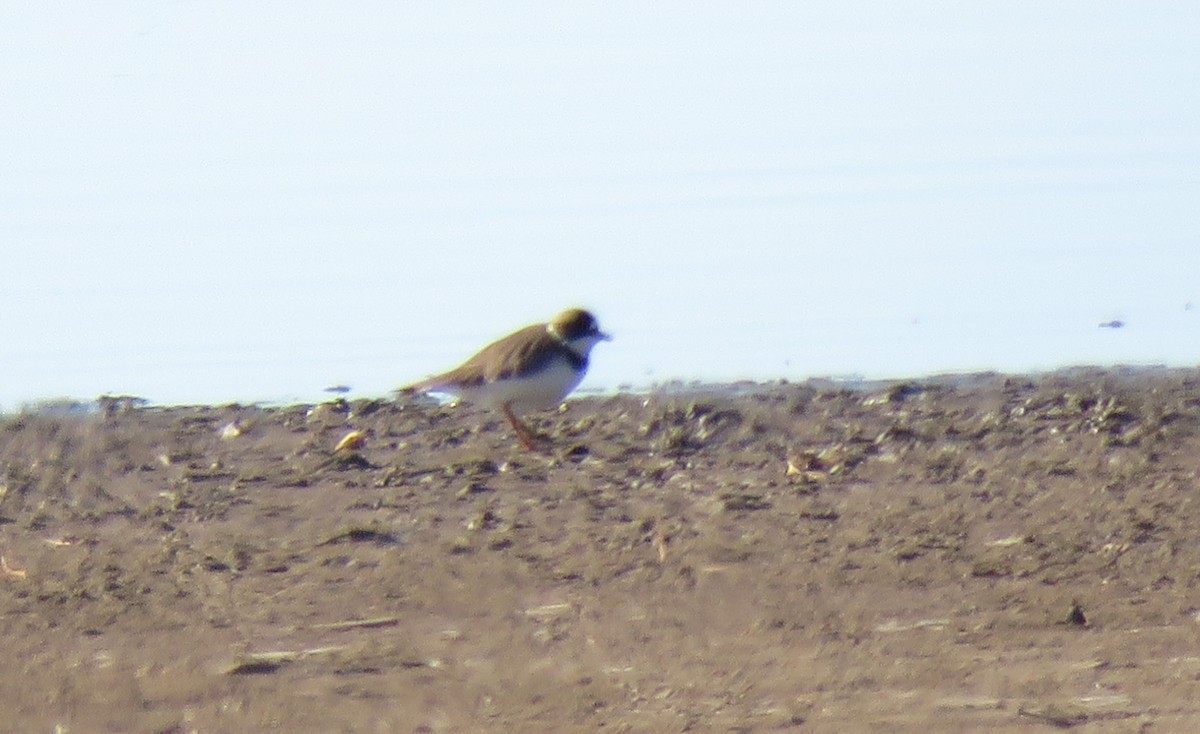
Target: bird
(533,368)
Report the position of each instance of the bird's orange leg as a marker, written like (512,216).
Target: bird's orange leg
(530,440)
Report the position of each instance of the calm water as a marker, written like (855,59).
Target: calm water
(206,203)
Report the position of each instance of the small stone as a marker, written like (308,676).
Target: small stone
(1075,616)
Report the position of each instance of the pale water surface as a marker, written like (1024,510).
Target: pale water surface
(225,201)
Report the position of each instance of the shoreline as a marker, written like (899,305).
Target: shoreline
(857,383)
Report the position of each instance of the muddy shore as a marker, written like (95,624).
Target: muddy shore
(994,553)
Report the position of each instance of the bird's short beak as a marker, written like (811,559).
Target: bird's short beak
(604,337)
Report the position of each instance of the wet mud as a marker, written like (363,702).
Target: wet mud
(984,553)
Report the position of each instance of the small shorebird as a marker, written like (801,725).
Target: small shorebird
(531,369)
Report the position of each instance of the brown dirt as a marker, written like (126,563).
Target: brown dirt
(986,554)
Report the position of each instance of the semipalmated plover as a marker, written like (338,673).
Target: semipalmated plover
(531,369)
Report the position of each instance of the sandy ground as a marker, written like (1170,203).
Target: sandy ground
(973,554)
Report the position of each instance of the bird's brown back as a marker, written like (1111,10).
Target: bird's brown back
(523,352)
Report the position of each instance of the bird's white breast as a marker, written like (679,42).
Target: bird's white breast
(540,391)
